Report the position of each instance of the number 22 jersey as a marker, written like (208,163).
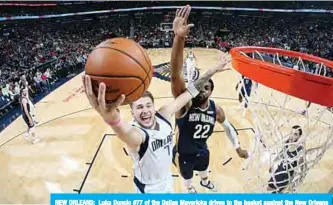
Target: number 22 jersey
(195,128)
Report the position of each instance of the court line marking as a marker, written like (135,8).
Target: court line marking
(226,162)
(91,163)
(44,124)
(125,151)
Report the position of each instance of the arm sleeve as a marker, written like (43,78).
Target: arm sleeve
(231,133)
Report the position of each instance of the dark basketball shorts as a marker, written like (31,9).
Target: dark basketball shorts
(245,94)
(26,120)
(189,163)
(281,178)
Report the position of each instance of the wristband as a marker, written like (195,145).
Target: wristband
(114,123)
(192,90)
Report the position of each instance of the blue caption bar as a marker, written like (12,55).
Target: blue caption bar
(189,199)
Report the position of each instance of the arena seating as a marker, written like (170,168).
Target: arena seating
(50,50)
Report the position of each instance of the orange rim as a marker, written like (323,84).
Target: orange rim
(309,87)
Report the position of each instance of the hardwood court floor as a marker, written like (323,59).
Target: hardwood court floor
(78,152)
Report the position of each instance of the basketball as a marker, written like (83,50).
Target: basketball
(124,67)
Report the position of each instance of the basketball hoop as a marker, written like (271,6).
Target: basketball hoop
(313,88)
(166,27)
(274,107)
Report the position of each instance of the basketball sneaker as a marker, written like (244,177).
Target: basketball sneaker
(192,190)
(209,186)
(35,140)
(26,137)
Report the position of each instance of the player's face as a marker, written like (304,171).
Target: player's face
(143,111)
(204,94)
(294,135)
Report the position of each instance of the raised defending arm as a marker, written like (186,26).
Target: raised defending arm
(180,29)
(193,89)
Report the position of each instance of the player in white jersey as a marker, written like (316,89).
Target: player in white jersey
(152,162)
(27,109)
(149,138)
(190,66)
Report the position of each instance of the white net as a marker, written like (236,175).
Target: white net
(277,163)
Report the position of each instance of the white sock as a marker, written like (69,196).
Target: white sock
(27,135)
(204,177)
(32,133)
(188,183)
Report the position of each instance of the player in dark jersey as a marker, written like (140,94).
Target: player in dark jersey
(245,90)
(291,157)
(196,125)
(196,120)
(26,107)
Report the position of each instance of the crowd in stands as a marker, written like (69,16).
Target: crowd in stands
(313,37)
(44,51)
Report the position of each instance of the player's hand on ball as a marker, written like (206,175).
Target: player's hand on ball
(109,112)
(179,25)
(242,153)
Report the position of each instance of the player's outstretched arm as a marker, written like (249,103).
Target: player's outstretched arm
(181,29)
(230,131)
(132,136)
(192,91)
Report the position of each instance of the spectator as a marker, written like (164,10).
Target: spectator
(60,46)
